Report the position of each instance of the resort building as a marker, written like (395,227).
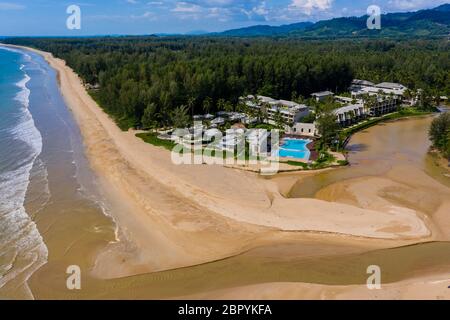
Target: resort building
(289,111)
(304,129)
(363,87)
(346,100)
(200,117)
(383,105)
(350,114)
(395,88)
(388,96)
(321,96)
(218,121)
(356,83)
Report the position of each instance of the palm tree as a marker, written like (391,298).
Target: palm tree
(371,103)
(179,117)
(207,103)
(414,97)
(279,121)
(150,117)
(436,97)
(366,103)
(243,107)
(229,107)
(407,94)
(191,104)
(352,116)
(220,104)
(263,114)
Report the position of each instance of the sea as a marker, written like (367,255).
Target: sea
(46,185)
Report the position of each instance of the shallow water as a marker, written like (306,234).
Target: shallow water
(22,249)
(44,175)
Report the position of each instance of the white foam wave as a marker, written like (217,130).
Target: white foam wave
(20,238)
(24,94)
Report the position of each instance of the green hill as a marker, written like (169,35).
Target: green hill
(430,22)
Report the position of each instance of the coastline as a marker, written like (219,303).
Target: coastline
(182,216)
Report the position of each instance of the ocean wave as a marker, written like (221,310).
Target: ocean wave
(21,244)
(24,94)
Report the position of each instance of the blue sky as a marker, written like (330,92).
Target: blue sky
(48,17)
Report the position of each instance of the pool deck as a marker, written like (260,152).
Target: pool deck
(314,154)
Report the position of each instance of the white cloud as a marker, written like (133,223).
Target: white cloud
(148,15)
(11,6)
(309,6)
(185,7)
(259,12)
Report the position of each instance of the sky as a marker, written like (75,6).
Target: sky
(137,17)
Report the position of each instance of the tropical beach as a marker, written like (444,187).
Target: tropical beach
(170,216)
(195,151)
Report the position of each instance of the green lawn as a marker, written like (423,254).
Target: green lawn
(153,139)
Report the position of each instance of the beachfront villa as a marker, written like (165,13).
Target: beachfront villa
(201,117)
(290,112)
(346,100)
(350,114)
(322,96)
(389,96)
(304,129)
(360,88)
(218,121)
(384,105)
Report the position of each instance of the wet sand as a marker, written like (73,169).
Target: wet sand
(172,217)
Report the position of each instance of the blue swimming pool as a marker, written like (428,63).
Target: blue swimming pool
(295,148)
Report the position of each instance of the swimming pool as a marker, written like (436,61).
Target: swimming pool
(295,148)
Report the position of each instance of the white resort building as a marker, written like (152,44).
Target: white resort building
(362,87)
(290,111)
(388,96)
(350,114)
(321,96)
(304,129)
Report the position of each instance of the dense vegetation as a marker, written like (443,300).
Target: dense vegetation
(152,81)
(440,133)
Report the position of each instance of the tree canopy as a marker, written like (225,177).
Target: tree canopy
(151,77)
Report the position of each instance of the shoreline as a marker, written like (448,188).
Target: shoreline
(183,216)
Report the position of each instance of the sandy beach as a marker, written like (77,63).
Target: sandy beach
(177,216)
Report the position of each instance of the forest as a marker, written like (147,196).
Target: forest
(144,81)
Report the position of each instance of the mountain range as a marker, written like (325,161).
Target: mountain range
(429,22)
